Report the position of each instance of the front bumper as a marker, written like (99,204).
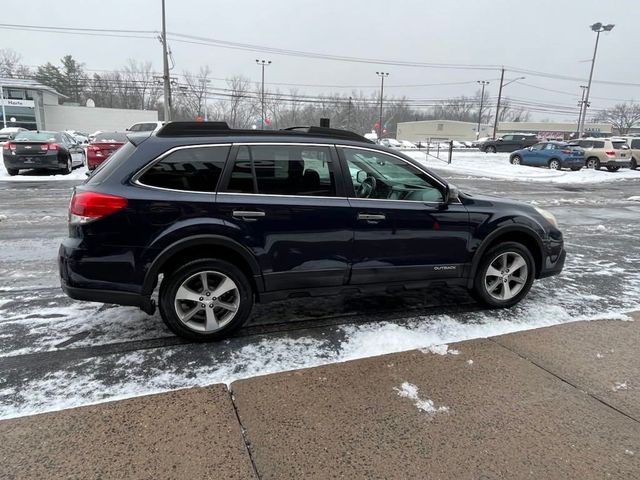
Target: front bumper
(554,258)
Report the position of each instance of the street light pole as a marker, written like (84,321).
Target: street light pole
(349,114)
(165,68)
(382,76)
(598,28)
(502,85)
(263,63)
(483,83)
(204,82)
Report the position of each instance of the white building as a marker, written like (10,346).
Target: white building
(31,105)
(434,130)
(563,130)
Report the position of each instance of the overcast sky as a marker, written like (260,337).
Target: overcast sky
(543,35)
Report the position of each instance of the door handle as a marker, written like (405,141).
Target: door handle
(371,217)
(245,214)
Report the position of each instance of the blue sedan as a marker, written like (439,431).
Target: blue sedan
(555,155)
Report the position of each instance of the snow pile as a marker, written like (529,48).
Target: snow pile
(410,391)
(620,386)
(497,166)
(440,350)
(79,173)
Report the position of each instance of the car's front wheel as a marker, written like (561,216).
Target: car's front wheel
(516,160)
(205,300)
(490,149)
(12,171)
(505,275)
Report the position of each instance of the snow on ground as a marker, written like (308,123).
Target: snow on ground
(497,166)
(410,391)
(79,173)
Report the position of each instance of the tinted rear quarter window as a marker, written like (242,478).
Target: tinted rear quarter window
(108,166)
(597,144)
(635,143)
(190,169)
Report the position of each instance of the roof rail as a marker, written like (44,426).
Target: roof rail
(329,132)
(188,129)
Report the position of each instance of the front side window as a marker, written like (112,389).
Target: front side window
(283,170)
(191,169)
(507,137)
(379,176)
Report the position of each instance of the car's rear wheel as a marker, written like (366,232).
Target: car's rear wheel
(613,169)
(490,149)
(593,162)
(205,300)
(68,167)
(12,171)
(634,164)
(504,276)
(516,160)
(554,164)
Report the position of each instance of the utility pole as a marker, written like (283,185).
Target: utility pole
(204,82)
(598,28)
(263,63)
(483,83)
(580,104)
(165,69)
(4,113)
(495,122)
(349,114)
(382,76)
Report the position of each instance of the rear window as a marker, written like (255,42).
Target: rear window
(145,127)
(37,137)
(190,169)
(620,145)
(110,137)
(109,165)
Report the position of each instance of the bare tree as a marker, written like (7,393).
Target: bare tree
(11,64)
(622,116)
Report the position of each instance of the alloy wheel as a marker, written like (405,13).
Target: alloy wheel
(506,276)
(554,165)
(207,301)
(515,160)
(592,163)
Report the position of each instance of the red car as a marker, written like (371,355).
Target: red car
(102,146)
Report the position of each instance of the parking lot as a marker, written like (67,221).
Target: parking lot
(57,353)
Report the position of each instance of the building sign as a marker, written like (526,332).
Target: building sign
(8,102)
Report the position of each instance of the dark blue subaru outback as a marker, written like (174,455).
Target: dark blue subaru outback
(230,217)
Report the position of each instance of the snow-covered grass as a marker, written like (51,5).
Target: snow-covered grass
(497,166)
(79,173)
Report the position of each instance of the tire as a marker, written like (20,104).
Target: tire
(68,168)
(593,162)
(490,149)
(84,160)
(188,318)
(634,164)
(555,164)
(492,292)
(516,160)
(613,169)
(12,171)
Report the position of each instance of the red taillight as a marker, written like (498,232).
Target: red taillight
(93,148)
(9,146)
(567,151)
(87,206)
(610,153)
(49,146)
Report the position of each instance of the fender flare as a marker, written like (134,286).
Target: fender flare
(196,240)
(495,234)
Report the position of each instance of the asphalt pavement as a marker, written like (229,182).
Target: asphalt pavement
(58,353)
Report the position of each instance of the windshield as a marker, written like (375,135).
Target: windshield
(36,137)
(110,137)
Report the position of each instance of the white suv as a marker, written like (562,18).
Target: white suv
(145,127)
(634,146)
(605,152)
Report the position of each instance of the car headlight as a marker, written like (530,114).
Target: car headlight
(548,216)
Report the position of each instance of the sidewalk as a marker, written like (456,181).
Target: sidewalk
(556,402)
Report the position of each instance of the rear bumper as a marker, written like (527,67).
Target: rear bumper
(76,270)
(32,161)
(615,162)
